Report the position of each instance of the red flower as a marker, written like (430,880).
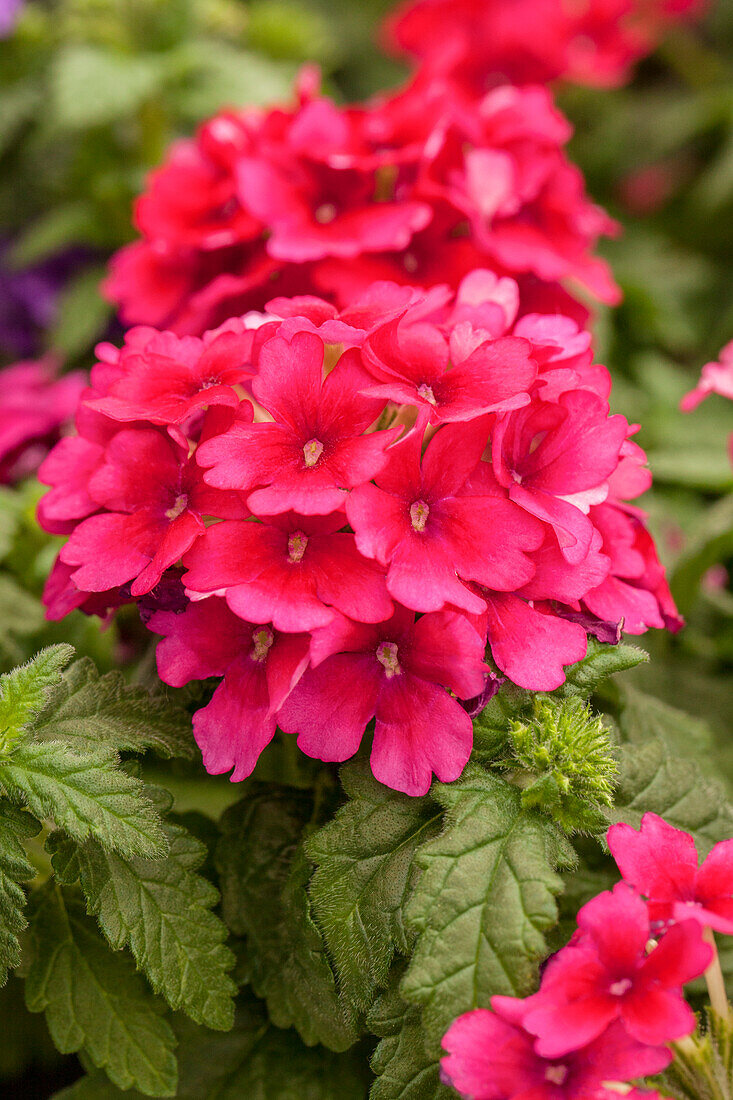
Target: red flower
(491,1056)
(396,672)
(484,41)
(606,974)
(35,406)
(259,667)
(661,862)
(417,521)
(291,571)
(315,447)
(155,501)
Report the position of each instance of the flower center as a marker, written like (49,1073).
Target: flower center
(325,213)
(556,1074)
(312,451)
(419,512)
(426,392)
(387,657)
(619,988)
(296,546)
(178,508)
(262,640)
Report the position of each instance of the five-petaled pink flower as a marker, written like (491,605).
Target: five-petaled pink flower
(259,666)
(607,974)
(492,1056)
(397,672)
(661,863)
(315,448)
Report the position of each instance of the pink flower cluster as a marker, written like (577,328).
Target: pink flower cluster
(611,1001)
(360,501)
(484,42)
(35,407)
(715,378)
(417,187)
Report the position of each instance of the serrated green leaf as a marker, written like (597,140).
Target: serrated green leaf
(87,709)
(406,1062)
(254,1061)
(15,868)
(161,910)
(23,692)
(364,874)
(86,794)
(485,898)
(651,779)
(93,999)
(600,662)
(263,878)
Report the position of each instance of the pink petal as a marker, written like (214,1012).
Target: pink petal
(531,648)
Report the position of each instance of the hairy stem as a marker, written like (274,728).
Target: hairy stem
(714,979)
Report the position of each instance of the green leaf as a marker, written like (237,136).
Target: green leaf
(643,716)
(254,1061)
(364,874)
(600,662)
(264,875)
(86,794)
(406,1062)
(21,616)
(15,868)
(87,710)
(486,896)
(161,910)
(214,74)
(709,541)
(82,313)
(651,779)
(23,692)
(92,86)
(93,999)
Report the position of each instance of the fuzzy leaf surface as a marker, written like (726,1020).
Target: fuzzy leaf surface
(406,1063)
(15,868)
(263,876)
(93,999)
(485,898)
(24,690)
(364,874)
(652,779)
(253,1061)
(161,910)
(86,794)
(600,662)
(87,709)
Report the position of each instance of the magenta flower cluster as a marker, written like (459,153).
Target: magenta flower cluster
(418,187)
(611,1001)
(336,512)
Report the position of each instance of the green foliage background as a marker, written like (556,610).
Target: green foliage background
(148,880)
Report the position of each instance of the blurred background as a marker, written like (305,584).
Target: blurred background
(91,94)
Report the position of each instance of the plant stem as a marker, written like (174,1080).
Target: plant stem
(714,979)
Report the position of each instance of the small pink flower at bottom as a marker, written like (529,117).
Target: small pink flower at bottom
(396,671)
(260,668)
(606,974)
(661,863)
(491,1056)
